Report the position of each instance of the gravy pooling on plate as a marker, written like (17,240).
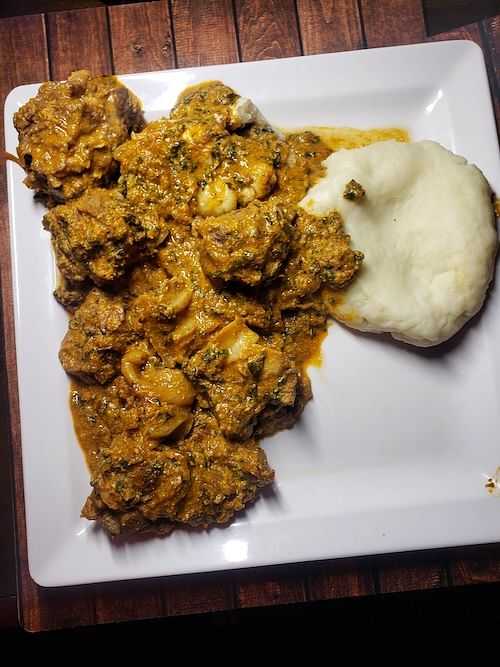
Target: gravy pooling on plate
(197,292)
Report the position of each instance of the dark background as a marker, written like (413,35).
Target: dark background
(473,608)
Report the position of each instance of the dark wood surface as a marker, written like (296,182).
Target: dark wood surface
(159,35)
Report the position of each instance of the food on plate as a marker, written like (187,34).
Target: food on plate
(427,229)
(248,245)
(201,257)
(196,291)
(203,159)
(99,235)
(69,130)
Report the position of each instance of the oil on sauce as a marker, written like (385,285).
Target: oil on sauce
(337,138)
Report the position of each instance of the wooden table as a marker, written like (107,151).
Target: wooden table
(181,33)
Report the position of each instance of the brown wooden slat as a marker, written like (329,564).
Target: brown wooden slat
(341,581)
(483,568)
(79,39)
(204,32)
(267,29)
(491,32)
(141,37)
(391,22)
(23,54)
(52,609)
(415,575)
(189,596)
(328,26)
(470,32)
(259,590)
(128,601)
(8,612)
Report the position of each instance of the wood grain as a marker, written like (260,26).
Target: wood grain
(79,39)
(491,38)
(8,612)
(24,58)
(340,580)
(481,568)
(205,33)
(396,575)
(258,589)
(471,32)
(391,22)
(196,595)
(130,601)
(328,26)
(141,37)
(267,29)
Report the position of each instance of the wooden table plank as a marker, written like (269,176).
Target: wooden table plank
(8,612)
(258,589)
(197,595)
(24,58)
(385,23)
(205,33)
(482,567)
(341,580)
(141,37)
(491,33)
(79,39)
(398,574)
(471,32)
(267,29)
(391,22)
(130,601)
(328,26)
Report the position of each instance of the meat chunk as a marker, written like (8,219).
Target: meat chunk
(213,98)
(321,256)
(194,163)
(69,130)
(225,476)
(99,235)
(97,337)
(242,376)
(247,246)
(142,483)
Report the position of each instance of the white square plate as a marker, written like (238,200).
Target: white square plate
(390,454)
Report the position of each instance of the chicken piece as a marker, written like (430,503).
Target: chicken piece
(247,170)
(242,375)
(69,130)
(99,235)
(162,165)
(321,256)
(97,337)
(193,162)
(247,246)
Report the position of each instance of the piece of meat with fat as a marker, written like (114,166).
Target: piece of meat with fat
(69,130)
(97,337)
(244,377)
(247,246)
(99,235)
